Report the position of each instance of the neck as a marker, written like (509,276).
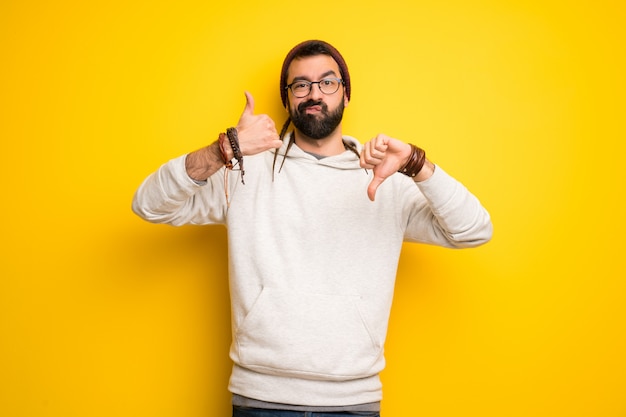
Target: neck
(328,146)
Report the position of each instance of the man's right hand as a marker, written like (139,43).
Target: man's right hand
(256,134)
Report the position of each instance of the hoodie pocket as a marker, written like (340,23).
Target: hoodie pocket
(315,336)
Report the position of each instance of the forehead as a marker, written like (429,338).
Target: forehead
(312,67)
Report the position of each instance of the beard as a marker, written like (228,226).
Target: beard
(316,126)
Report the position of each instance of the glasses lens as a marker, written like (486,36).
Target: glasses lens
(329,85)
(301,88)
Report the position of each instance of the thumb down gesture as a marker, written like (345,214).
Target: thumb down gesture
(385,156)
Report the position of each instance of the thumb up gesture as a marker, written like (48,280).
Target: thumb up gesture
(256,133)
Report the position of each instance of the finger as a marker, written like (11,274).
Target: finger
(364,159)
(370,156)
(371,189)
(381,143)
(377,147)
(365,165)
(378,152)
(249,109)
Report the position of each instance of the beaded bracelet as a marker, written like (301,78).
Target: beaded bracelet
(415,163)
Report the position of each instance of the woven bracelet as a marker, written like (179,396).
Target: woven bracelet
(415,163)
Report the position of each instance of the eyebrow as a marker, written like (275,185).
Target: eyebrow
(326,74)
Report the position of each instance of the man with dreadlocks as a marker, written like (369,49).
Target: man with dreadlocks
(315,233)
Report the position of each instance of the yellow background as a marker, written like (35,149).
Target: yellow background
(102,314)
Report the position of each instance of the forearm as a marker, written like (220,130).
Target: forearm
(458,216)
(171,196)
(462,220)
(177,192)
(204,162)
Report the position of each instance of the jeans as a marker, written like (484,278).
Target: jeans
(260,412)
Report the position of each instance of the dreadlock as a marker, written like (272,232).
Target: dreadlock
(292,140)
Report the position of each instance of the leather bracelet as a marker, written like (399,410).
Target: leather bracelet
(233,139)
(415,163)
(231,132)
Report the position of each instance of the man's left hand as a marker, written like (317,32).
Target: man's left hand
(384,156)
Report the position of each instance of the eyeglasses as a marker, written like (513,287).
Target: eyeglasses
(303,88)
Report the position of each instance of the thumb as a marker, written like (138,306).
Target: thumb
(249,109)
(371,189)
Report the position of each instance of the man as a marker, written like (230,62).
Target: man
(316,223)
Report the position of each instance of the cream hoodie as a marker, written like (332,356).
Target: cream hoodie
(313,264)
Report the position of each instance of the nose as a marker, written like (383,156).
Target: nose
(315,92)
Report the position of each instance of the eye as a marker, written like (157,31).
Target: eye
(300,85)
(328,82)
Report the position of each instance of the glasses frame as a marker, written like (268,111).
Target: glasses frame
(310,84)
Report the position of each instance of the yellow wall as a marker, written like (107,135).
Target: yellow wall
(102,314)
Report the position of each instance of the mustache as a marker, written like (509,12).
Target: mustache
(310,103)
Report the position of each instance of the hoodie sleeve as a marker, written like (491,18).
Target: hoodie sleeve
(170,196)
(447,214)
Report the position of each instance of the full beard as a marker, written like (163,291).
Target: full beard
(316,126)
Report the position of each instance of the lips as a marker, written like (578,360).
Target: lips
(313,109)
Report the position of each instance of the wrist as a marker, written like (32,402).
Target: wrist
(426,172)
(224,148)
(414,162)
